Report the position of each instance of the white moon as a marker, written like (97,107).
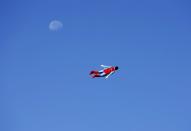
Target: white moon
(55,25)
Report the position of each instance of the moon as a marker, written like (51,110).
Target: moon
(55,25)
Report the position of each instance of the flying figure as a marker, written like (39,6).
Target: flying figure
(105,72)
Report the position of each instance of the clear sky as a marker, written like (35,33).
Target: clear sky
(44,81)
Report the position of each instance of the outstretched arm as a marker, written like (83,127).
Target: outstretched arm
(104,66)
(109,74)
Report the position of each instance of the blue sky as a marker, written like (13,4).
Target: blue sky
(44,74)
